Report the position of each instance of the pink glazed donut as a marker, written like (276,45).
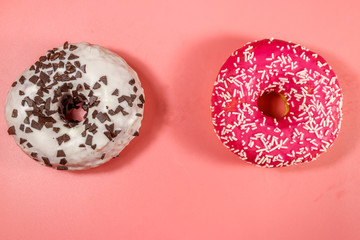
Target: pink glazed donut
(310,90)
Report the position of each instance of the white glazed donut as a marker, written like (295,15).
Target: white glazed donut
(65,78)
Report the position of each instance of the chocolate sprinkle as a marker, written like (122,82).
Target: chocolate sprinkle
(73,47)
(112,112)
(83,68)
(62,168)
(96,86)
(101,117)
(61,64)
(72,57)
(141,98)
(55,66)
(29,145)
(93,128)
(47,66)
(22,80)
(70,68)
(66,45)
(54,56)
(110,128)
(119,109)
(40,92)
(92,100)
(108,135)
(86,86)
(102,156)
(28,130)
(87,126)
(103,79)
(47,103)
(34,79)
(38,64)
(89,140)
(116,92)
(22,140)
(56,129)
(14,84)
(60,153)
(121,99)
(21,93)
(107,117)
(22,127)
(78,74)
(63,138)
(29,113)
(44,120)
(86,121)
(63,161)
(94,114)
(79,88)
(96,103)
(62,53)
(11,130)
(14,113)
(44,77)
(82,145)
(136,133)
(46,161)
(34,154)
(36,125)
(128,99)
(38,100)
(132,82)
(42,59)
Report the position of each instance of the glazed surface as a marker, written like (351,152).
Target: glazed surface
(64,77)
(307,82)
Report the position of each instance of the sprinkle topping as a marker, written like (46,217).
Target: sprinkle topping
(56,85)
(310,88)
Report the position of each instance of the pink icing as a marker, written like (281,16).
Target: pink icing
(307,82)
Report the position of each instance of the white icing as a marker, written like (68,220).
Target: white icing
(99,62)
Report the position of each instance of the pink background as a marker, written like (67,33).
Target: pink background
(177,181)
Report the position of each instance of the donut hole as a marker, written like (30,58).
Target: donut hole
(77,114)
(273,104)
(73,110)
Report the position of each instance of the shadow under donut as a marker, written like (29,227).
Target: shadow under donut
(154,111)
